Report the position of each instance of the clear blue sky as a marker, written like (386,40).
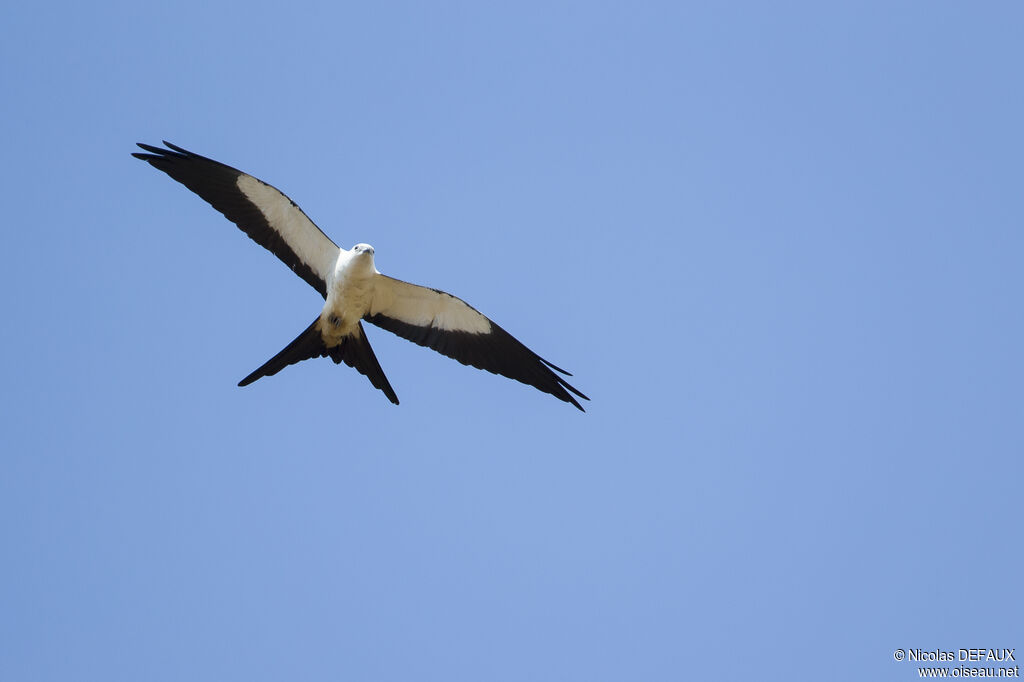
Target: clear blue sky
(779,245)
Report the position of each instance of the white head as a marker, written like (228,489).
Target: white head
(362,257)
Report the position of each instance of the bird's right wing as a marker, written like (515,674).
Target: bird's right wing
(263,212)
(452,327)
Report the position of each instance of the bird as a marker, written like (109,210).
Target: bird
(353,289)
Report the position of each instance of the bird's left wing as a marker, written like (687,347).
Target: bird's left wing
(452,327)
(263,212)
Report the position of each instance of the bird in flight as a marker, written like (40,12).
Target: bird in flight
(352,287)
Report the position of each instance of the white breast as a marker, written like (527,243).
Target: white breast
(349,292)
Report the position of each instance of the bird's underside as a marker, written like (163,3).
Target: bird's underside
(353,289)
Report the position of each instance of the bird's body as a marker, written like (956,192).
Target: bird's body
(352,287)
(349,293)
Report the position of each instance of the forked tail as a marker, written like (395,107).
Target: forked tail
(354,350)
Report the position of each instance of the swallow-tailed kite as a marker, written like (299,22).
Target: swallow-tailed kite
(353,288)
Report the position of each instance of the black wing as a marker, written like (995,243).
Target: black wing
(263,212)
(452,327)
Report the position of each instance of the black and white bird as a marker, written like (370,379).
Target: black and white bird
(352,287)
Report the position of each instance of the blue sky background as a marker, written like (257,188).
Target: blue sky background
(778,244)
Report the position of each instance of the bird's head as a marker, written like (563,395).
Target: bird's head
(363,255)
